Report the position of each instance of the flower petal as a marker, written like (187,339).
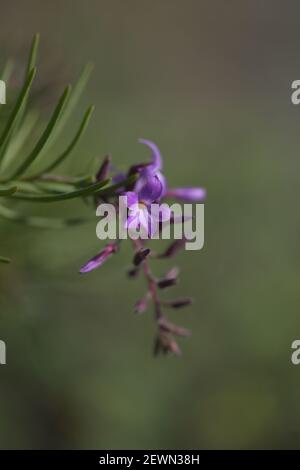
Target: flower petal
(99,259)
(187,194)
(132,221)
(156,160)
(132,198)
(144,219)
(152,190)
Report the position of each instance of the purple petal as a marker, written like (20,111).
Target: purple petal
(132,198)
(152,190)
(99,259)
(163,181)
(132,221)
(156,160)
(144,219)
(187,194)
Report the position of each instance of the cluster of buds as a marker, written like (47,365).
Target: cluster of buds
(148,186)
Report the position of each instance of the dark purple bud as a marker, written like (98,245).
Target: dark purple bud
(99,259)
(165,325)
(174,248)
(179,303)
(140,256)
(104,169)
(141,305)
(167,283)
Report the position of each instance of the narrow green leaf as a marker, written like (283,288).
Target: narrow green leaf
(82,180)
(4,260)
(31,63)
(21,111)
(19,140)
(53,187)
(73,100)
(8,191)
(17,109)
(40,222)
(46,134)
(72,145)
(92,189)
(32,54)
(27,187)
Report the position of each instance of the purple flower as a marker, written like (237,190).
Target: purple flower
(139,206)
(142,214)
(155,166)
(187,194)
(152,168)
(100,258)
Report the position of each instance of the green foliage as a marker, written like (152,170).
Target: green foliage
(16,183)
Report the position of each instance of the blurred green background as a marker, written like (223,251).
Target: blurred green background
(209,81)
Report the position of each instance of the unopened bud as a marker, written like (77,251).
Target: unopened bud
(167,283)
(179,303)
(164,325)
(104,169)
(170,279)
(141,305)
(140,256)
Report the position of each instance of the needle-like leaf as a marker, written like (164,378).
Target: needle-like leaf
(32,54)
(40,222)
(17,109)
(4,260)
(8,191)
(45,136)
(72,102)
(19,139)
(73,143)
(21,112)
(88,190)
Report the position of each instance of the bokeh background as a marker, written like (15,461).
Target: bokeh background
(210,82)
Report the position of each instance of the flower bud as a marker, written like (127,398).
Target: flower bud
(179,303)
(140,256)
(104,169)
(163,283)
(165,325)
(141,305)
(100,258)
(165,343)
